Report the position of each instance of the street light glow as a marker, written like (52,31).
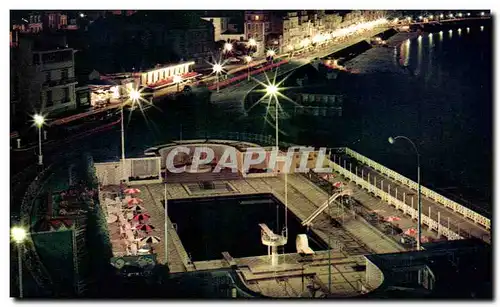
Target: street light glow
(18,234)
(82,15)
(482,13)
(134,95)
(459,14)
(228,47)
(252,42)
(270,52)
(420,17)
(217,68)
(271,89)
(39,120)
(441,16)
(248,59)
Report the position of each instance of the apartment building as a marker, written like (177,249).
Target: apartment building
(44,70)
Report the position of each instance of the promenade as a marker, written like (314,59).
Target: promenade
(430,207)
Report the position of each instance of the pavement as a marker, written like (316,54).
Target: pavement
(457,222)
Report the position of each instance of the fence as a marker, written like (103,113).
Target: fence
(466,212)
(426,220)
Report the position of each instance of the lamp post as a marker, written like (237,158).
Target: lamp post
(134,96)
(392,140)
(39,121)
(248,59)
(19,235)
(217,68)
(271,53)
(272,91)
(177,80)
(251,44)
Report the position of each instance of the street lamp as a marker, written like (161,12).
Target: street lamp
(19,234)
(217,69)
(482,13)
(134,96)
(441,16)
(177,80)
(392,140)
(272,91)
(39,121)
(248,59)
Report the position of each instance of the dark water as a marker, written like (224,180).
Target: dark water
(207,227)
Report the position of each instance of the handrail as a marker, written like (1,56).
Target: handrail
(466,212)
(441,229)
(325,205)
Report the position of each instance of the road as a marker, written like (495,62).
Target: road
(234,96)
(456,221)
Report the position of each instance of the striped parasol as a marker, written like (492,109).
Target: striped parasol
(392,218)
(141,217)
(137,208)
(411,232)
(134,201)
(150,240)
(132,191)
(145,227)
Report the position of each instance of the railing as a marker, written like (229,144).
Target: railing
(433,225)
(474,216)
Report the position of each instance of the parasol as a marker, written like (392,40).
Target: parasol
(411,232)
(150,240)
(134,201)
(131,191)
(137,208)
(145,227)
(141,217)
(392,219)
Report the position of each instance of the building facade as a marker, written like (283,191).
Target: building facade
(44,71)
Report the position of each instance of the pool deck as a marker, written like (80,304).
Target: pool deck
(348,243)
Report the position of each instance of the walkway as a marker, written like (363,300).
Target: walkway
(456,221)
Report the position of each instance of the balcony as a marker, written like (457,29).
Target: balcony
(57,83)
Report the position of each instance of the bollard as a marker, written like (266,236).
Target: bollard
(18,143)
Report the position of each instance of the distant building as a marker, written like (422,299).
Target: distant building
(44,74)
(55,20)
(257,25)
(220,26)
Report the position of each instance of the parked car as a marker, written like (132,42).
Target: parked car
(233,60)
